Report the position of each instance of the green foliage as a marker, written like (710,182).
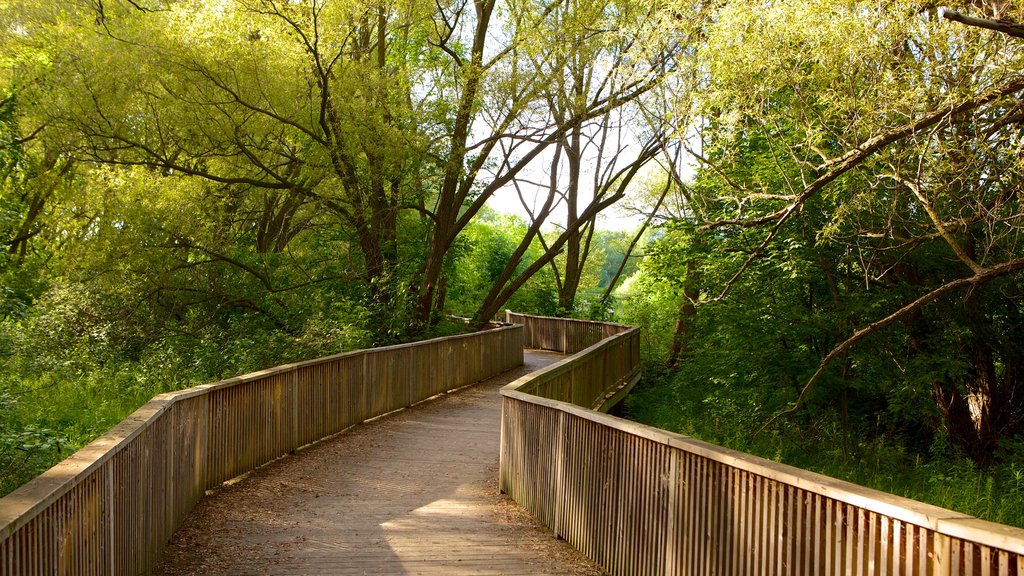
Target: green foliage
(188,193)
(928,407)
(867,455)
(478,259)
(71,373)
(24,449)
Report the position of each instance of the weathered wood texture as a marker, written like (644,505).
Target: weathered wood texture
(643,501)
(611,361)
(110,508)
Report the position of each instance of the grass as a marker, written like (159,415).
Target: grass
(44,417)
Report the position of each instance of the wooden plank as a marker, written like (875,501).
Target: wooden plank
(861,538)
(794,534)
(673,552)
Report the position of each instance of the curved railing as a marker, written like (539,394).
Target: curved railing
(110,508)
(565,335)
(639,500)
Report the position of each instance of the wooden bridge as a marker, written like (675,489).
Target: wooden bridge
(385,497)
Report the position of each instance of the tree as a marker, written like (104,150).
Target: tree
(608,57)
(898,122)
(520,129)
(398,120)
(291,106)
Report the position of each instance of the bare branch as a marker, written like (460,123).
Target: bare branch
(1009,28)
(980,277)
(636,240)
(940,226)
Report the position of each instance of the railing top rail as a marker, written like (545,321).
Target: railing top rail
(24,502)
(564,364)
(591,322)
(283,368)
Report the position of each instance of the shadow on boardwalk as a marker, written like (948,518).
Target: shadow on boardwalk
(411,493)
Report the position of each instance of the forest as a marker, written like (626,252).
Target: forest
(824,199)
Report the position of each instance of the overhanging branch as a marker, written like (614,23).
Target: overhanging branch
(1009,28)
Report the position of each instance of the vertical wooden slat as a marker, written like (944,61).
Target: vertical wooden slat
(833,538)
(909,539)
(941,555)
(877,562)
(794,531)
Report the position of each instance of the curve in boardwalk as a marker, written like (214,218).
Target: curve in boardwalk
(411,493)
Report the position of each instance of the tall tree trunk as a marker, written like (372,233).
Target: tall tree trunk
(573,265)
(980,410)
(684,318)
(450,199)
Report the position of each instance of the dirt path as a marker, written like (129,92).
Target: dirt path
(412,493)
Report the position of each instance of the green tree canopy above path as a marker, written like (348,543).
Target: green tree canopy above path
(170,167)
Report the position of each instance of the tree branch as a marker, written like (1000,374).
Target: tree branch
(636,240)
(840,165)
(1009,28)
(980,277)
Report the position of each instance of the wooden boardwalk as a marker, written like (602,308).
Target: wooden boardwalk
(414,492)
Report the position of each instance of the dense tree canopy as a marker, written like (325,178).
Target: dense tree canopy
(390,124)
(857,207)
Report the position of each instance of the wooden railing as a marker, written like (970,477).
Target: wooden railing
(110,508)
(597,379)
(644,501)
(564,335)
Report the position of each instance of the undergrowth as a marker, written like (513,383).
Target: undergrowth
(716,413)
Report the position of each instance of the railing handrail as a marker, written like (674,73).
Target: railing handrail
(943,523)
(901,508)
(523,385)
(283,368)
(573,320)
(93,454)
(27,503)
